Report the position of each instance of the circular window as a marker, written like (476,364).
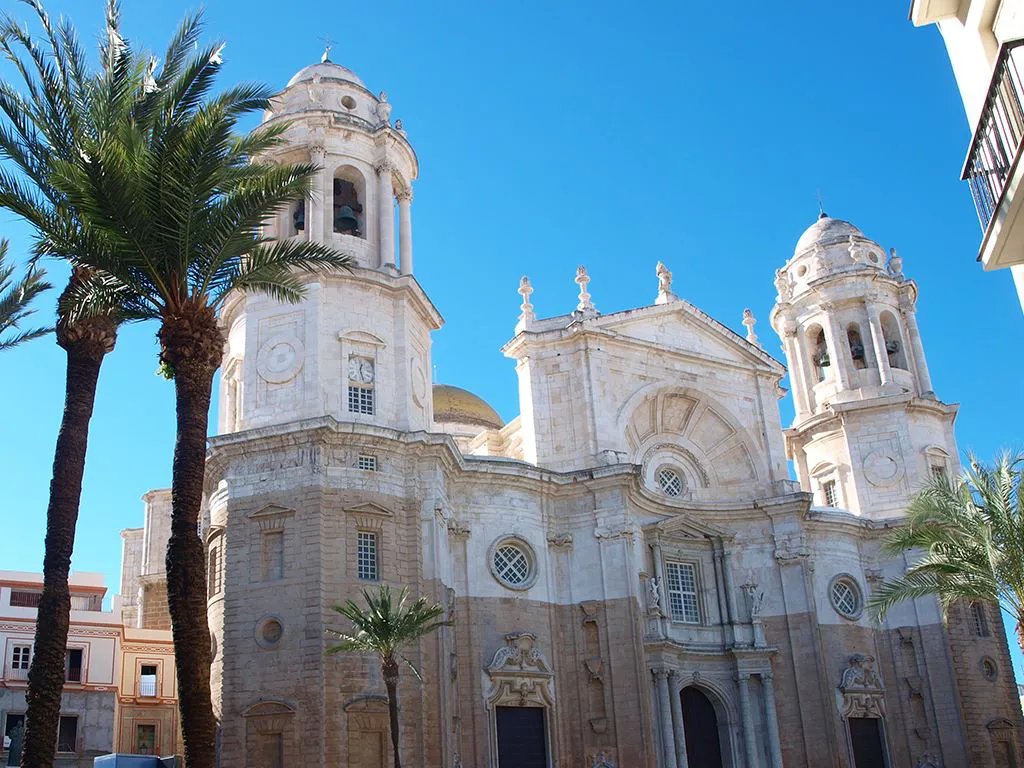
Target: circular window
(348,102)
(989,670)
(873,257)
(512,563)
(670,482)
(845,596)
(269,633)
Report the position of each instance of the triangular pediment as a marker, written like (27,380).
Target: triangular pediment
(688,526)
(370,508)
(270,510)
(681,326)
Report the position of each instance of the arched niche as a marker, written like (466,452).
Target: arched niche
(348,202)
(697,436)
(818,352)
(894,345)
(270,738)
(856,344)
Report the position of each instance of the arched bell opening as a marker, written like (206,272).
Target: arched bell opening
(298,217)
(856,344)
(349,196)
(818,352)
(894,346)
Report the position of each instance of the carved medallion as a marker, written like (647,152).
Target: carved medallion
(280,359)
(881,469)
(419,382)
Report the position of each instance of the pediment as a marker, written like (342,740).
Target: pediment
(271,516)
(361,337)
(688,526)
(369,515)
(681,326)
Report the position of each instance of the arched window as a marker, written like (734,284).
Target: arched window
(298,217)
(853,337)
(819,353)
(893,341)
(347,212)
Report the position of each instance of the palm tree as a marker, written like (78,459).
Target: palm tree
(384,628)
(16,296)
(39,129)
(971,536)
(178,201)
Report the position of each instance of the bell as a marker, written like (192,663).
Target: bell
(345,219)
(299,217)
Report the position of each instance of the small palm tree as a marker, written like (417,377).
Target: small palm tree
(16,296)
(971,536)
(384,628)
(178,201)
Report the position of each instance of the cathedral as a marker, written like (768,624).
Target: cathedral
(632,576)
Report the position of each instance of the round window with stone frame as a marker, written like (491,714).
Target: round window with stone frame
(512,562)
(845,595)
(989,670)
(670,481)
(269,632)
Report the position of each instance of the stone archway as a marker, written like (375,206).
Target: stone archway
(702,728)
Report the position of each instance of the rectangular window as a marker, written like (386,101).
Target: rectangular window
(829,490)
(145,739)
(67,734)
(366,550)
(368,463)
(360,400)
(73,665)
(24,598)
(273,555)
(13,722)
(271,750)
(682,592)
(21,657)
(213,576)
(979,620)
(939,472)
(147,680)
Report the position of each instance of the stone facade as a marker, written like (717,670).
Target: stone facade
(633,577)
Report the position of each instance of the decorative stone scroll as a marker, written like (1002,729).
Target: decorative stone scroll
(863,694)
(520,674)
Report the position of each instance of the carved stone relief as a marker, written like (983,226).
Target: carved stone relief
(519,673)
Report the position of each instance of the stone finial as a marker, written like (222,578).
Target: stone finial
(749,320)
(526,314)
(665,294)
(782,285)
(383,109)
(398,126)
(586,306)
(895,264)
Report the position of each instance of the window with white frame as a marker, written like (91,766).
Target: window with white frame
(828,491)
(670,482)
(148,674)
(361,376)
(366,556)
(682,592)
(21,657)
(367,463)
(845,595)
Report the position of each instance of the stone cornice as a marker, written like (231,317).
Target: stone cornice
(832,417)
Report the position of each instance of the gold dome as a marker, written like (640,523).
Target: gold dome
(454,404)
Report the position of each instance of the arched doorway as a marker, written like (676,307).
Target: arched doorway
(701,726)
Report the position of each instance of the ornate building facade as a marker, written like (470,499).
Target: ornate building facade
(633,577)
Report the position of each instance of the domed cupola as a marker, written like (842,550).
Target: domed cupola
(828,247)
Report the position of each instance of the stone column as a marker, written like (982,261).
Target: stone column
(730,589)
(405,230)
(878,344)
(668,742)
(317,204)
(771,719)
(677,720)
(797,370)
(839,349)
(924,379)
(386,195)
(747,713)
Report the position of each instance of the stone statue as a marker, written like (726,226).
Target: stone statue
(653,595)
(665,294)
(585,305)
(749,321)
(755,597)
(383,109)
(17,736)
(398,126)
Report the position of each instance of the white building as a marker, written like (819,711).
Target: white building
(633,577)
(984,38)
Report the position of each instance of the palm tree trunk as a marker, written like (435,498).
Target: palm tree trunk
(192,345)
(87,342)
(389,667)
(1020,636)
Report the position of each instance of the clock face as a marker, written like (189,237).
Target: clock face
(366,371)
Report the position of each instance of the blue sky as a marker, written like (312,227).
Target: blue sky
(552,135)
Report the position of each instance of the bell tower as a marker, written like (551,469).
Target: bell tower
(868,429)
(358,346)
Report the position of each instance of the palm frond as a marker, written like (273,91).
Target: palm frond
(16,298)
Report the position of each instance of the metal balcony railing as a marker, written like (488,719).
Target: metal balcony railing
(16,673)
(147,685)
(997,138)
